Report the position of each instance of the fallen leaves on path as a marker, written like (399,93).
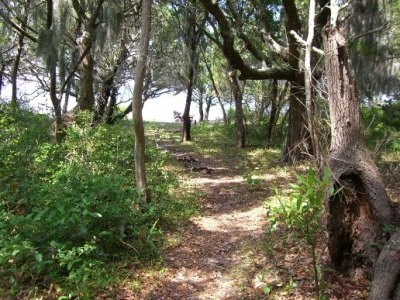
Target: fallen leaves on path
(226,254)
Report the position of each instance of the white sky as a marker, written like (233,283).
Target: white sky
(158,109)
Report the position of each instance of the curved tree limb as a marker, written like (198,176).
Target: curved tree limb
(234,57)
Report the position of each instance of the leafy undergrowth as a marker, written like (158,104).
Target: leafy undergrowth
(72,229)
(70,218)
(228,252)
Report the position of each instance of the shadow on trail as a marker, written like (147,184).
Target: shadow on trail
(216,257)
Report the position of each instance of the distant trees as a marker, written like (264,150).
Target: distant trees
(253,56)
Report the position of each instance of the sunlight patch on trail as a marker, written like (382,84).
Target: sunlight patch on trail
(216,181)
(245,221)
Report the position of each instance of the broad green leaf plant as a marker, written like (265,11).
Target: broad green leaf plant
(303,211)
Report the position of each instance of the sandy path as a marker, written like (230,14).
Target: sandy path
(215,259)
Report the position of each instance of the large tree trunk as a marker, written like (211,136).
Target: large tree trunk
(137,104)
(356,214)
(238,96)
(84,44)
(297,144)
(86,93)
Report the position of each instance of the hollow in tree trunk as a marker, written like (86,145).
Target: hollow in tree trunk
(356,214)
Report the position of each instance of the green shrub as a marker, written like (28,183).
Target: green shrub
(69,209)
(303,211)
(382,127)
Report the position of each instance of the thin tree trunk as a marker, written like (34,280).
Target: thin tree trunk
(111,106)
(3,67)
(263,103)
(67,94)
(192,41)
(58,130)
(14,73)
(17,60)
(201,111)
(208,106)
(137,104)
(210,74)
(225,118)
(108,84)
(238,96)
(281,101)
(356,214)
(308,85)
(186,113)
(274,108)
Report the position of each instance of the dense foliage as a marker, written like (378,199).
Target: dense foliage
(67,210)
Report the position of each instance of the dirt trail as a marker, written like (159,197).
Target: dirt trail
(223,254)
(216,255)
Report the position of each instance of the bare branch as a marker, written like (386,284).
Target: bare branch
(304,43)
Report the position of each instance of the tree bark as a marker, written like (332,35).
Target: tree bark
(86,93)
(297,146)
(274,109)
(17,60)
(308,85)
(111,106)
(108,84)
(55,101)
(201,111)
(137,104)
(385,283)
(186,113)
(238,96)
(3,67)
(297,137)
(216,91)
(84,43)
(359,211)
(192,41)
(208,106)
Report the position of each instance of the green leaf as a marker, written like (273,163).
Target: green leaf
(38,257)
(266,290)
(69,266)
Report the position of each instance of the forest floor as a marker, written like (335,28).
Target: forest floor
(227,251)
